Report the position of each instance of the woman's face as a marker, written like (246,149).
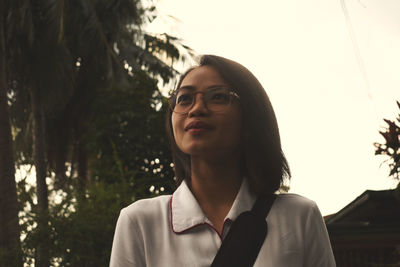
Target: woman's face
(202,132)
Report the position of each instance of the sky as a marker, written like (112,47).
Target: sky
(330,69)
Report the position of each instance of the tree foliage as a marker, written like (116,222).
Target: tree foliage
(83,90)
(129,159)
(391,147)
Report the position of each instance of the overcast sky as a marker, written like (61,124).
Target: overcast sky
(331,79)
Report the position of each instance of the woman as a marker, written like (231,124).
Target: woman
(227,152)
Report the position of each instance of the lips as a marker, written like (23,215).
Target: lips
(198,125)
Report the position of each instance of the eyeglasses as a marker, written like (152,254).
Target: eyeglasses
(216,99)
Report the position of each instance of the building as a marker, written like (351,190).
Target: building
(367,231)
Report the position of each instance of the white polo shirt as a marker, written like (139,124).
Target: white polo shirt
(173,231)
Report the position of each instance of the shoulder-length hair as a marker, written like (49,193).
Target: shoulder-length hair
(263,161)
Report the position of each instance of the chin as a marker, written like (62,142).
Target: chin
(196,150)
(209,151)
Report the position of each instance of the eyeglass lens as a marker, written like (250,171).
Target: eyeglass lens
(215,99)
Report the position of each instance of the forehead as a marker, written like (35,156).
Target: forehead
(203,77)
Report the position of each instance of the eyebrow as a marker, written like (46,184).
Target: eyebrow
(191,87)
(187,87)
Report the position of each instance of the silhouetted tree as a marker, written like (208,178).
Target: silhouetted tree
(391,147)
(83,91)
(10,253)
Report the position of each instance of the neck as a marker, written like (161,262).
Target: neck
(215,183)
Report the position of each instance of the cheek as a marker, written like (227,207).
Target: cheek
(176,123)
(236,121)
(237,128)
(238,131)
(230,130)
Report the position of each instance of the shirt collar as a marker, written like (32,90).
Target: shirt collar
(186,212)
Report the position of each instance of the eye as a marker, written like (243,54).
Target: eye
(219,96)
(184,99)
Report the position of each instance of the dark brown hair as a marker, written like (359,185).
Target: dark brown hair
(264,163)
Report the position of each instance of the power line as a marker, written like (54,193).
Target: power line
(357,53)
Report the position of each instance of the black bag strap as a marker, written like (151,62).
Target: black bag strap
(263,205)
(243,242)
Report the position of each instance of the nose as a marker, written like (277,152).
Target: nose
(199,107)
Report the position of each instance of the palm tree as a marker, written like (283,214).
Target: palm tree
(9,228)
(103,38)
(39,65)
(66,53)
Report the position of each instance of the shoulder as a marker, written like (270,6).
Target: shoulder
(147,209)
(137,223)
(290,200)
(296,225)
(294,208)
(294,215)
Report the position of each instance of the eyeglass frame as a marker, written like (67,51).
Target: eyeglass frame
(172,98)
